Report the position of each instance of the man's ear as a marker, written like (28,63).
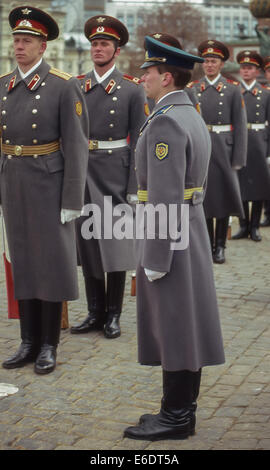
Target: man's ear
(117,51)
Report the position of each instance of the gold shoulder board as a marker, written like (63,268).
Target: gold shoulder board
(60,73)
(132,79)
(5,74)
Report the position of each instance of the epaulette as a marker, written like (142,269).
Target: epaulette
(264,86)
(5,74)
(233,82)
(190,84)
(60,73)
(164,109)
(81,77)
(132,79)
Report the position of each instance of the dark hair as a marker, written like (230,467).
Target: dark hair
(180,75)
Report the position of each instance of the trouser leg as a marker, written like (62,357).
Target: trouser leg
(30,328)
(50,335)
(115,295)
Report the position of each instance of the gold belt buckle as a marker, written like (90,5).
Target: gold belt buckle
(93,144)
(18,150)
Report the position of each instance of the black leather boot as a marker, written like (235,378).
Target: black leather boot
(255,221)
(196,377)
(30,325)
(175,419)
(266,221)
(95,294)
(51,328)
(221,237)
(243,231)
(115,295)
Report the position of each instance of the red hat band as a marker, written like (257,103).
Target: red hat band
(249,60)
(32,26)
(105,30)
(212,50)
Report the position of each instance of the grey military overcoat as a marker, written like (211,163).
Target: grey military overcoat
(255,177)
(46,106)
(178,317)
(220,104)
(117,110)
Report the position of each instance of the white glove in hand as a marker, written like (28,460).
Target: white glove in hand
(153,275)
(268,160)
(236,167)
(132,198)
(69,214)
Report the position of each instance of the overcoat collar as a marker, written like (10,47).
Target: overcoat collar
(109,84)
(32,81)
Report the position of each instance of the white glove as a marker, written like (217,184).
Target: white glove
(153,275)
(132,198)
(268,160)
(69,214)
(236,167)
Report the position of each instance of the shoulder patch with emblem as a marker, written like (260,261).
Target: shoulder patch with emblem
(60,74)
(162,150)
(132,79)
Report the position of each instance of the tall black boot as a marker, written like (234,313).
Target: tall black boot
(266,221)
(210,228)
(196,377)
(221,237)
(95,294)
(50,333)
(243,231)
(30,325)
(175,419)
(256,213)
(115,295)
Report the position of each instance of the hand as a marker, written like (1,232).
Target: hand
(132,198)
(268,160)
(69,214)
(153,275)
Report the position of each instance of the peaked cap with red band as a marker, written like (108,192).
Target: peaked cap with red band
(250,58)
(166,39)
(106,27)
(31,20)
(213,48)
(266,62)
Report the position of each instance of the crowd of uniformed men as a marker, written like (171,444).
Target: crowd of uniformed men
(69,142)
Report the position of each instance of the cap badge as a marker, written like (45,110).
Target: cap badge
(157,36)
(26,11)
(25,23)
(101,19)
(100,29)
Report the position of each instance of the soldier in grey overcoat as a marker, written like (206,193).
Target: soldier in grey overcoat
(222,108)
(176,294)
(255,177)
(44,124)
(266,220)
(121,109)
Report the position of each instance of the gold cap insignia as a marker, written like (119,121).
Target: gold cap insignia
(26,11)
(100,29)
(101,19)
(157,36)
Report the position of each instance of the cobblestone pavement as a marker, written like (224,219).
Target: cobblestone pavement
(98,388)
